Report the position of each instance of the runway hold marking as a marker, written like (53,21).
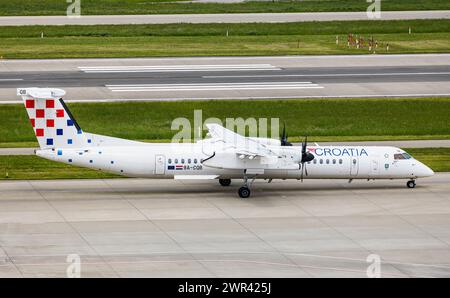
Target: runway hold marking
(213,87)
(177,68)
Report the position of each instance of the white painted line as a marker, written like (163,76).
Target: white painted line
(207,84)
(179,70)
(179,66)
(8,80)
(208,87)
(214,87)
(217,89)
(332,75)
(176,68)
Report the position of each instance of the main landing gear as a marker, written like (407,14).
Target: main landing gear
(411,183)
(244,192)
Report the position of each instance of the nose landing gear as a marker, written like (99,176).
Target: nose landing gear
(411,183)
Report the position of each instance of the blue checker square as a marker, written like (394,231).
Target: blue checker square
(89,141)
(49,141)
(59,132)
(59,152)
(69,141)
(69,122)
(70,160)
(79,131)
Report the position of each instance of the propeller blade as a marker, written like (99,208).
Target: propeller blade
(303,147)
(284,137)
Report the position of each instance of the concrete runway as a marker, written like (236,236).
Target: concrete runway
(218,18)
(232,77)
(154,228)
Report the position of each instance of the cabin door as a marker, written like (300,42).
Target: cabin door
(160,164)
(375,167)
(354,166)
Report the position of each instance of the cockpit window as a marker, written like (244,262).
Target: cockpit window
(399,156)
(402,156)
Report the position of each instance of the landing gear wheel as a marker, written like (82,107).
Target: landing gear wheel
(225,182)
(244,192)
(411,184)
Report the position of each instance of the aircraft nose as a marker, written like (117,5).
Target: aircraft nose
(424,171)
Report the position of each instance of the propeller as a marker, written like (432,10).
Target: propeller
(306,157)
(284,137)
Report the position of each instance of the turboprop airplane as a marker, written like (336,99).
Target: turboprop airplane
(225,155)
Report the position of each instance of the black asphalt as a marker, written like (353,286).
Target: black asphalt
(341,75)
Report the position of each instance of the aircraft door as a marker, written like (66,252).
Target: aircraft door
(354,166)
(374,167)
(160,164)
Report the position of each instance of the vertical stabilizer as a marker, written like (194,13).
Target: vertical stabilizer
(53,124)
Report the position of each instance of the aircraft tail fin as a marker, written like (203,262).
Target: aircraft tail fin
(53,124)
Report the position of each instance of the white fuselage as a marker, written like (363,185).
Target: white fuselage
(194,161)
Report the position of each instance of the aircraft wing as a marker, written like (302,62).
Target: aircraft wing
(242,145)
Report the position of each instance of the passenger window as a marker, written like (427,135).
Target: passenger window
(328,161)
(189,161)
(340,161)
(176,160)
(334,161)
(315,161)
(354,161)
(195,160)
(182,160)
(170,161)
(321,161)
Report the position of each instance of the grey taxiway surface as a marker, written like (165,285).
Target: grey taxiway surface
(231,77)
(154,228)
(218,18)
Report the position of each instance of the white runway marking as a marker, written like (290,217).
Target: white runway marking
(8,80)
(332,75)
(214,86)
(176,68)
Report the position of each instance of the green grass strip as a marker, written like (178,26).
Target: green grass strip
(323,119)
(99,7)
(125,41)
